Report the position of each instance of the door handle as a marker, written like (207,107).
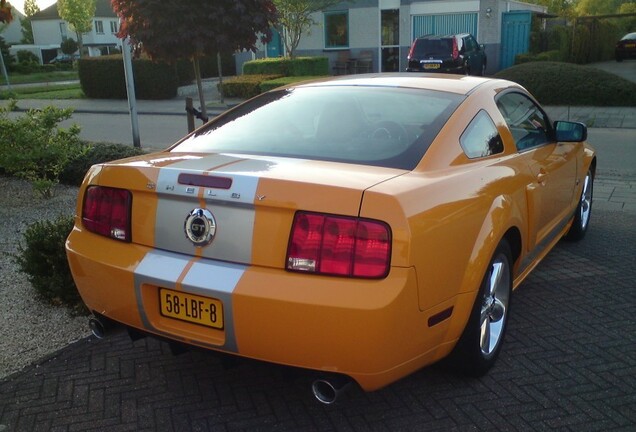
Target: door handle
(541,177)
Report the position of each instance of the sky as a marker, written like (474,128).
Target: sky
(19,4)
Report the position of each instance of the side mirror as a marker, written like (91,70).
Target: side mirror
(566,131)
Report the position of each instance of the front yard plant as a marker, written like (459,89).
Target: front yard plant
(34,147)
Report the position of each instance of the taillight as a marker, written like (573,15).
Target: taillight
(455,49)
(106,211)
(339,245)
(412,51)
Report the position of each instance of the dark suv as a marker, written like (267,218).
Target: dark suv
(458,53)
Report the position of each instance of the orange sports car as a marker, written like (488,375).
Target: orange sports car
(362,227)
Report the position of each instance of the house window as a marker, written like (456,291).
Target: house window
(113,27)
(99,27)
(337,29)
(63,32)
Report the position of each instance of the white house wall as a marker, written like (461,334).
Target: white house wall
(364,26)
(47,32)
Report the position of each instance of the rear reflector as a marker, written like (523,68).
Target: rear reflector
(106,211)
(339,245)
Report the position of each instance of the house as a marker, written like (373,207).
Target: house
(12,32)
(384,30)
(49,30)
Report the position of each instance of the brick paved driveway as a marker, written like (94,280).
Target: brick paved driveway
(568,364)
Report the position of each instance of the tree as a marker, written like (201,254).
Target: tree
(5,12)
(295,18)
(30,9)
(598,7)
(79,15)
(195,27)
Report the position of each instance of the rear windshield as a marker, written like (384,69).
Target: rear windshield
(388,127)
(433,47)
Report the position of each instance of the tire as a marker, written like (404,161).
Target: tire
(480,344)
(583,210)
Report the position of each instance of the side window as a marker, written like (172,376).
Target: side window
(470,43)
(481,138)
(336,29)
(527,123)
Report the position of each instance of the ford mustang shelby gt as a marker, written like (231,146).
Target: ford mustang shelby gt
(363,226)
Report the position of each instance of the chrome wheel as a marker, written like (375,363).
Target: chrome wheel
(494,307)
(585,206)
(583,210)
(480,343)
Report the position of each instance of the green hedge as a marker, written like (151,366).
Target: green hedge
(554,56)
(299,66)
(209,69)
(245,86)
(279,82)
(103,78)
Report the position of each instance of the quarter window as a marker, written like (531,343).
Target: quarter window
(481,138)
(337,29)
(528,124)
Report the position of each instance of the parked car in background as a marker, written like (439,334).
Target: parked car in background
(626,47)
(64,58)
(459,53)
(362,226)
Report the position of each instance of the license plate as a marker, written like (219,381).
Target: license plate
(630,45)
(431,65)
(191,308)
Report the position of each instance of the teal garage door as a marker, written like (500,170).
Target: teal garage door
(515,36)
(444,24)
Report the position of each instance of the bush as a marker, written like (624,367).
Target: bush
(69,46)
(43,260)
(75,171)
(27,57)
(300,66)
(209,68)
(103,78)
(553,56)
(554,83)
(245,86)
(35,148)
(279,82)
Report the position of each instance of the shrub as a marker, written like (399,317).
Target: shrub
(553,56)
(97,153)
(25,56)
(103,78)
(35,148)
(554,83)
(285,66)
(69,46)
(279,82)
(43,260)
(245,86)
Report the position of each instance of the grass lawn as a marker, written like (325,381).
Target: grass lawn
(62,91)
(41,77)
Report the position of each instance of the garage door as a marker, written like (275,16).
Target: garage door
(445,24)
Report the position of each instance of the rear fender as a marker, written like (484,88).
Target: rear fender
(502,219)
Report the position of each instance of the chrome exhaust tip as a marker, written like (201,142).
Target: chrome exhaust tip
(97,327)
(327,390)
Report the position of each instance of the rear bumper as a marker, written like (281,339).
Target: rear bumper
(370,330)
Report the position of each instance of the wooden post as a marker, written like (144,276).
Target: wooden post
(190,114)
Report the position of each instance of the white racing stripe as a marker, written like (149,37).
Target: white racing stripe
(232,208)
(205,278)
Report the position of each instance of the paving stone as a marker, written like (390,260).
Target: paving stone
(568,364)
